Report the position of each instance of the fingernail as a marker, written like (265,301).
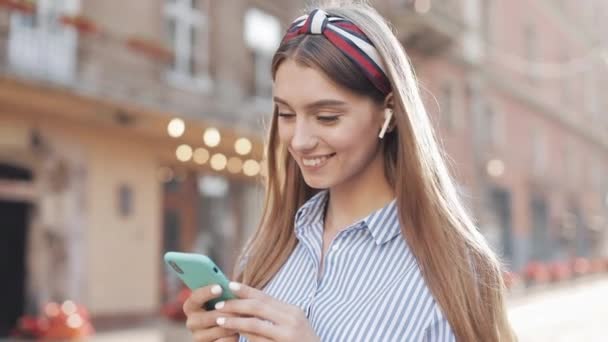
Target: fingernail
(219,305)
(220,320)
(234,286)
(216,289)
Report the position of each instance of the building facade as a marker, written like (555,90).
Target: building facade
(126,130)
(97,179)
(514,88)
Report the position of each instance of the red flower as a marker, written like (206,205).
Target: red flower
(80,23)
(150,48)
(174,310)
(22,6)
(581,266)
(559,271)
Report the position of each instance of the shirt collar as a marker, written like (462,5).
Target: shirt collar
(312,211)
(383,224)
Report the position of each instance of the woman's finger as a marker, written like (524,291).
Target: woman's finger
(213,334)
(200,297)
(256,338)
(234,338)
(244,291)
(251,325)
(261,309)
(203,319)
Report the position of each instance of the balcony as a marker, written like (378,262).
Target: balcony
(429,27)
(115,70)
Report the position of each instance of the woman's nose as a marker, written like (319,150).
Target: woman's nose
(303,139)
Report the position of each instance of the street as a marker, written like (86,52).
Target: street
(569,314)
(574,312)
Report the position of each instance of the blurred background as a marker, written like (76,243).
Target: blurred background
(130,128)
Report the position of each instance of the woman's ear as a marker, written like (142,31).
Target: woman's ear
(388,115)
(389,122)
(388,101)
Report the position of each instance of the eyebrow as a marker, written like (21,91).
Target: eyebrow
(315,105)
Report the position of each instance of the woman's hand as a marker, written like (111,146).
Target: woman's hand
(260,317)
(202,323)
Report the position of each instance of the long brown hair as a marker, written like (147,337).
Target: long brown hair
(460,269)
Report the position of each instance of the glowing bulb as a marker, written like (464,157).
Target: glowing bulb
(422,6)
(74,321)
(496,167)
(218,161)
(68,307)
(251,167)
(242,146)
(201,155)
(183,152)
(51,309)
(176,127)
(235,164)
(212,137)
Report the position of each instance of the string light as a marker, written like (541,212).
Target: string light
(251,167)
(218,162)
(176,128)
(201,155)
(183,152)
(242,146)
(212,137)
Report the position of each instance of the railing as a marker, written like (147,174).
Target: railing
(123,71)
(429,26)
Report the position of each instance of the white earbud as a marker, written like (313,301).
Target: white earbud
(388,114)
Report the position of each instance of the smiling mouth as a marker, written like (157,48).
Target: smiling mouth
(317,161)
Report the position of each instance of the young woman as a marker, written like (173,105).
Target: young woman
(363,236)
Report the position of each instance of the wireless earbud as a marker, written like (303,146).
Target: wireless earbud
(388,114)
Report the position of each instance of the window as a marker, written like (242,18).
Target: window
(531,51)
(572,161)
(262,36)
(596,176)
(188,35)
(447,95)
(566,83)
(539,152)
(40,46)
(590,97)
(486,20)
(490,127)
(125,200)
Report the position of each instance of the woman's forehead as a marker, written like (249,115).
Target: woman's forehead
(297,83)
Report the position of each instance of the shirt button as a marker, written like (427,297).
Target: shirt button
(335,247)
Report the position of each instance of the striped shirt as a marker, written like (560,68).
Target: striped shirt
(371,287)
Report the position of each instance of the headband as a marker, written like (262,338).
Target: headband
(348,38)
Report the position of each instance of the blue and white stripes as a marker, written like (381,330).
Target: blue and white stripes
(371,288)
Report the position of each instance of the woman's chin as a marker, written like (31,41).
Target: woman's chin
(317,183)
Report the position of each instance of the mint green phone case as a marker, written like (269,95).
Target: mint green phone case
(197,270)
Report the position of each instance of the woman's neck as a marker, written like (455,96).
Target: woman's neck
(354,200)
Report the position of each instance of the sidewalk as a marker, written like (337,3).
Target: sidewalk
(165,331)
(563,314)
(159,331)
(522,293)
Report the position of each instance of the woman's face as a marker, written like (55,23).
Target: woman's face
(331,132)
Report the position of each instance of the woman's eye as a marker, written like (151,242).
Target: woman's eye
(286,115)
(328,118)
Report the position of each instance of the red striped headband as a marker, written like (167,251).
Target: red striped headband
(348,38)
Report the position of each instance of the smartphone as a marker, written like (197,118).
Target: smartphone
(197,270)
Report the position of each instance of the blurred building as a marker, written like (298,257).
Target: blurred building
(514,88)
(97,179)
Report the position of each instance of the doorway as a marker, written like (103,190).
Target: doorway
(14,215)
